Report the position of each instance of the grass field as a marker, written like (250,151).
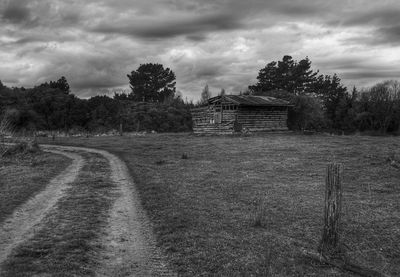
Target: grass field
(68,244)
(24,175)
(203,195)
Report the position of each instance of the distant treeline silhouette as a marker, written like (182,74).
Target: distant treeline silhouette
(53,108)
(320,102)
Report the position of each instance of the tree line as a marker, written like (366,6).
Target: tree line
(321,102)
(152,105)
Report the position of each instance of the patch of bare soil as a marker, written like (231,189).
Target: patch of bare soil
(129,245)
(25,221)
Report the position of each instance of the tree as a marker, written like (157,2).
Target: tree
(51,104)
(288,74)
(334,97)
(61,84)
(379,107)
(205,95)
(306,114)
(222,92)
(152,83)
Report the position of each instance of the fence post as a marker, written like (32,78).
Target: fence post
(120,129)
(330,244)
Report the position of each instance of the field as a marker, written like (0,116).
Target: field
(23,176)
(250,205)
(62,251)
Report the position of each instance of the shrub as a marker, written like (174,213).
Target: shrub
(306,114)
(5,130)
(22,147)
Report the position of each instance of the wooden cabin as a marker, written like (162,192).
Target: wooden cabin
(228,114)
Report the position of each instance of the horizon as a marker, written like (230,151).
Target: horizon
(224,44)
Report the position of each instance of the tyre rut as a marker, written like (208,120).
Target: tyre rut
(26,219)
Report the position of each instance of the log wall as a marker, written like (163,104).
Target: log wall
(253,119)
(204,121)
(263,118)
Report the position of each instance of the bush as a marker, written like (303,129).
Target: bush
(22,147)
(306,114)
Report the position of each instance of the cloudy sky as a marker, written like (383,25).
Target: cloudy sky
(224,43)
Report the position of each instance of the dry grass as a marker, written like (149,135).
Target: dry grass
(6,130)
(68,243)
(24,175)
(204,208)
(261,213)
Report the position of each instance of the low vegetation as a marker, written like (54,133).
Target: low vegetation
(251,205)
(67,244)
(24,174)
(319,102)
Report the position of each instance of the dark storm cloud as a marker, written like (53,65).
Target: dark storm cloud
(377,37)
(224,43)
(389,34)
(382,25)
(197,37)
(101,70)
(165,28)
(342,63)
(358,67)
(382,17)
(30,39)
(372,73)
(16,12)
(97,81)
(298,9)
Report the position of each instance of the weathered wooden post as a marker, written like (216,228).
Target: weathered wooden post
(330,242)
(330,250)
(120,129)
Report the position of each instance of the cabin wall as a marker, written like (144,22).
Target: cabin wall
(263,118)
(216,120)
(213,120)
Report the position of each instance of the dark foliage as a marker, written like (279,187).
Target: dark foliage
(61,84)
(173,115)
(319,102)
(292,76)
(322,102)
(23,147)
(152,83)
(51,106)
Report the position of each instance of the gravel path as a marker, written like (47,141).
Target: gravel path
(21,225)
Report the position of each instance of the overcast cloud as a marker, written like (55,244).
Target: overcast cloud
(224,43)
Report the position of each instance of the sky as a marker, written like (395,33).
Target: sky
(222,43)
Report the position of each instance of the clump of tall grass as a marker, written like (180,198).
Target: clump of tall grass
(6,130)
(393,160)
(22,147)
(260,215)
(8,145)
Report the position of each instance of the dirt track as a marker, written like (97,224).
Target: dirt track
(129,245)
(26,219)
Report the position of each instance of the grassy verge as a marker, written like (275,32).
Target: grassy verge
(23,176)
(67,244)
(205,206)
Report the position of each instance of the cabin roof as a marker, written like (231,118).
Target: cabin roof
(250,100)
